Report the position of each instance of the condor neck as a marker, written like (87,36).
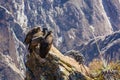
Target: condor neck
(47,35)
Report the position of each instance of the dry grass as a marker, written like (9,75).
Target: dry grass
(99,72)
(95,66)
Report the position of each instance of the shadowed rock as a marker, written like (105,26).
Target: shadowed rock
(76,55)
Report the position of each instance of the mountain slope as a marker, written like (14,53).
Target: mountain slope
(109,47)
(70,22)
(12,50)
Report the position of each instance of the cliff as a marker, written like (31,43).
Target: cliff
(70,20)
(109,47)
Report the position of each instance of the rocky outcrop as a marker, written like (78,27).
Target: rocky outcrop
(46,62)
(76,55)
(55,66)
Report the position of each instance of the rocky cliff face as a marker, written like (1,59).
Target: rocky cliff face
(113,12)
(109,47)
(12,51)
(70,21)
